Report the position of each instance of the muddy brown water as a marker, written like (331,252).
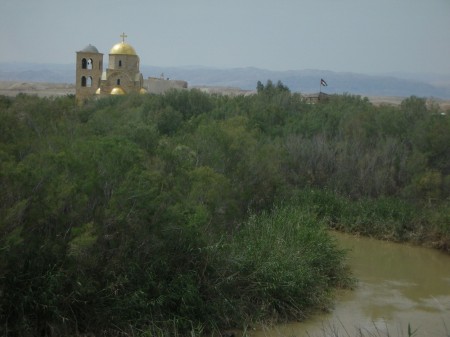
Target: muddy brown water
(398,285)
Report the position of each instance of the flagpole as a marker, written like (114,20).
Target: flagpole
(322,83)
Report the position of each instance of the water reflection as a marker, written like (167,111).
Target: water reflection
(398,285)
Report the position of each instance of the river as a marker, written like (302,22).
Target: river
(398,285)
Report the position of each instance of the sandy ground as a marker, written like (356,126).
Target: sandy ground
(9,88)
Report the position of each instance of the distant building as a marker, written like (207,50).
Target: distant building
(161,85)
(316,98)
(121,77)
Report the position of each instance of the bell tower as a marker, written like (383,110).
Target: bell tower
(89,68)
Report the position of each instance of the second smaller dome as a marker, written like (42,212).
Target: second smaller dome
(117,91)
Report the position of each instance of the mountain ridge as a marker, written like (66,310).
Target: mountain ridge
(305,81)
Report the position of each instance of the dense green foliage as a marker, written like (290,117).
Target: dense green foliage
(187,212)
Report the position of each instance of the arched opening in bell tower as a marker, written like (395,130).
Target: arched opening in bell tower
(86,64)
(86,81)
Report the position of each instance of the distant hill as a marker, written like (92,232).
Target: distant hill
(28,72)
(305,81)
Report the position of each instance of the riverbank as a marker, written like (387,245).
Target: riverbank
(386,218)
(399,287)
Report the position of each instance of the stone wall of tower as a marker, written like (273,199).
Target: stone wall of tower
(123,71)
(128,81)
(89,68)
(124,62)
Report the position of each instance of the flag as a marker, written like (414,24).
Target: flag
(322,82)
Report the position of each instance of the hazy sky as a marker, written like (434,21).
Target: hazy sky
(367,36)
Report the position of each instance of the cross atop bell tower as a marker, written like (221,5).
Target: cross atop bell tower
(123,36)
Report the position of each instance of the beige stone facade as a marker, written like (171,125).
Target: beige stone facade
(160,85)
(121,77)
(123,72)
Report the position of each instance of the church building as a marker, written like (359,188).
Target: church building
(121,77)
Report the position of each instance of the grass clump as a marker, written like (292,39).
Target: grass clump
(284,265)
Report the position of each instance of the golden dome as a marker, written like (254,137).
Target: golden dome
(122,48)
(117,91)
(143,91)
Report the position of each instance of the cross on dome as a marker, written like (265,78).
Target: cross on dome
(123,36)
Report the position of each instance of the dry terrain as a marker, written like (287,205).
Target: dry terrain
(10,88)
